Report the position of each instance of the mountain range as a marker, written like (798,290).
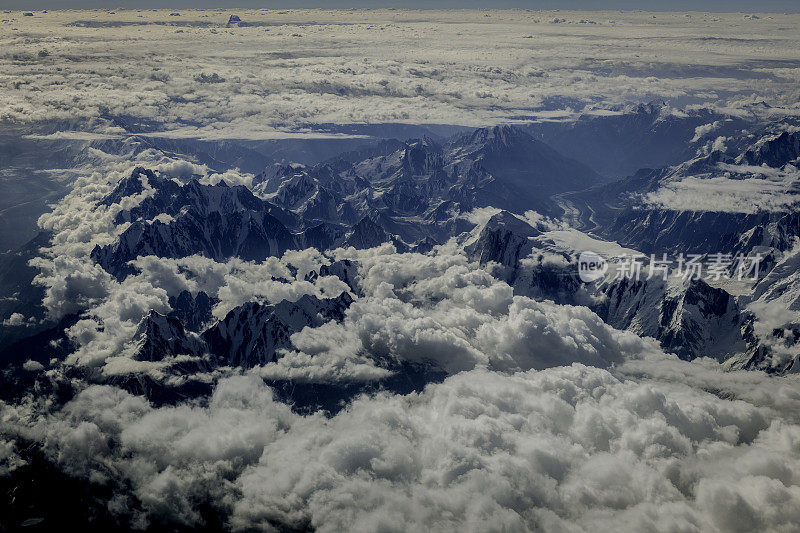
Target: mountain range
(419,194)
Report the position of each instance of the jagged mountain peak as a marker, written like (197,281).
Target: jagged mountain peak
(194,311)
(425,142)
(774,151)
(252,333)
(270,180)
(507,221)
(655,107)
(132,184)
(422,156)
(294,190)
(500,136)
(368,233)
(216,221)
(504,239)
(159,336)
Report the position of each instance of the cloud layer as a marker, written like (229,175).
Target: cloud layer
(566,449)
(548,418)
(195,77)
(723,194)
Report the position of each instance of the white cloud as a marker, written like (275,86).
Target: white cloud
(438,309)
(32,366)
(521,435)
(74,136)
(297,68)
(567,448)
(705,129)
(15,319)
(443,310)
(724,194)
(9,459)
(108,324)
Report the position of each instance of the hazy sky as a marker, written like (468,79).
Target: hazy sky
(655,5)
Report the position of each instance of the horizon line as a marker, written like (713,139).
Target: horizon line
(389,8)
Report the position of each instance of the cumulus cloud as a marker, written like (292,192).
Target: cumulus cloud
(79,223)
(327,354)
(705,129)
(439,309)
(568,448)
(521,436)
(333,67)
(442,310)
(9,459)
(32,366)
(106,326)
(15,319)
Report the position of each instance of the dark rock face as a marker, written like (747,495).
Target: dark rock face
(252,334)
(414,194)
(159,336)
(643,136)
(249,335)
(367,234)
(528,168)
(690,318)
(659,230)
(398,192)
(246,234)
(177,221)
(194,312)
(783,149)
(505,240)
(624,215)
(345,270)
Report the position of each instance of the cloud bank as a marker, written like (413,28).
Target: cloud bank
(284,71)
(565,449)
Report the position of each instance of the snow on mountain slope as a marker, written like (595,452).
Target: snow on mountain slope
(774,152)
(160,336)
(740,199)
(363,203)
(253,334)
(179,220)
(231,323)
(688,317)
(651,135)
(529,170)
(773,329)
(504,239)
(194,311)
(419,193)
(162,357)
